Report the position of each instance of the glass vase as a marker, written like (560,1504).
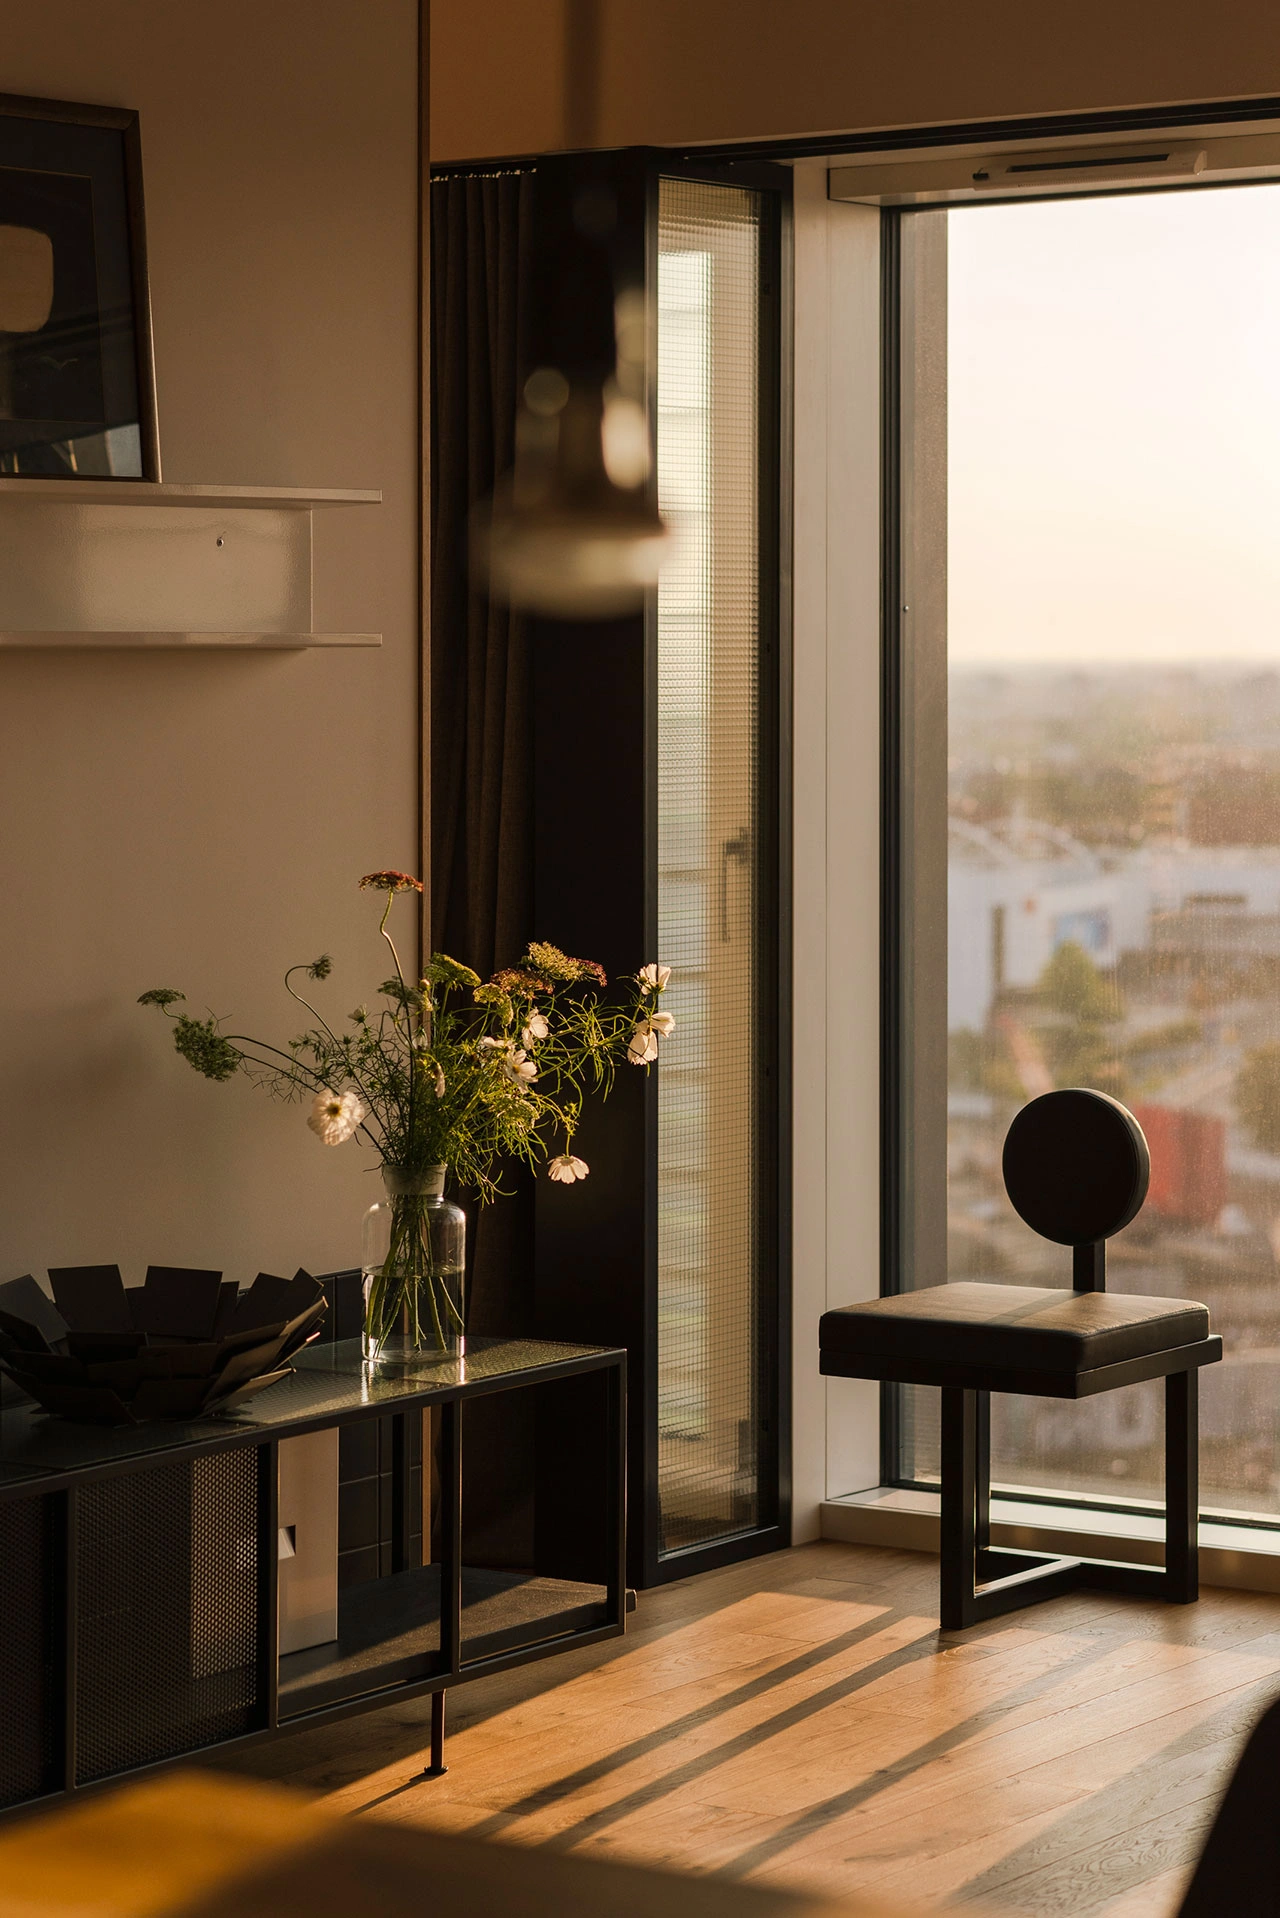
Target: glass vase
(413,1261)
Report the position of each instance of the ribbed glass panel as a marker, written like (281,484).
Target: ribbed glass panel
(709,1379)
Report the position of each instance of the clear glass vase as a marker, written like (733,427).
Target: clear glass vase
(414,1265)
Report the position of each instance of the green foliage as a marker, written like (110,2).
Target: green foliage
(1072,985)
(1081,1055)
(441,970)
(1102,803)
(1258,1096)
(558,965)
(1173,1035)
(450,1070)
(1074,1031)
(205,1048)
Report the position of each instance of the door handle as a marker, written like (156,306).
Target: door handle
(739,849)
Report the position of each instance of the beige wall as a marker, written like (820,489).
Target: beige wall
(200,821)
(685,71)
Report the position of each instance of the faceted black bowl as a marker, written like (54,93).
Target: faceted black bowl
(180,1345)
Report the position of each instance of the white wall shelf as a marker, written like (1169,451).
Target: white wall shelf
(97,642)
(106,492)
(132,564)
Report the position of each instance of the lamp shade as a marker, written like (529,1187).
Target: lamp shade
(574,532)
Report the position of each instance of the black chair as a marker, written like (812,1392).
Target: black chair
(1076,1169)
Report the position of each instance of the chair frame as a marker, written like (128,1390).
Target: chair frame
(978,1581)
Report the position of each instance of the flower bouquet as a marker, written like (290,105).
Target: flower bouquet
(449,1075)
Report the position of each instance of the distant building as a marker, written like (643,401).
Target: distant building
(1017,889)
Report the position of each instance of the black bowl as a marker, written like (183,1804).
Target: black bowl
(183,1344)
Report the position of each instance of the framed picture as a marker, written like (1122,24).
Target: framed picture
(77,387)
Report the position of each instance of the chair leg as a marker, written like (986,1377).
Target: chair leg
(1182,1486)
(982,1474)
(959,1506)
(978,1583)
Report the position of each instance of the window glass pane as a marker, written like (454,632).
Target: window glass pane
(709,1292)
(1113,778)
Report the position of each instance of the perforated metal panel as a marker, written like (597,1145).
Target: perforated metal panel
(167,1612)
(28,1694)
(709,864)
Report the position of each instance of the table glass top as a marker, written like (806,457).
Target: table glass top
(328,1383)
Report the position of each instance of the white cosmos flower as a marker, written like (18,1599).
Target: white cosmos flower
(653,978)
(566,1169)
(335,1115)
(494,1045)
(537,1028)
(643,1049)
(519,1067)
(662,1023)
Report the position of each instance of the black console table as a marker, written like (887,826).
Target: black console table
(139,1566)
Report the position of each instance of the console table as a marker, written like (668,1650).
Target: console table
(139,1566)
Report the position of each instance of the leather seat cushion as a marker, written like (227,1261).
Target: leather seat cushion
(1022,1327)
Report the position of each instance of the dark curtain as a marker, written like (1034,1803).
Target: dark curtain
(481,735)
(481,751)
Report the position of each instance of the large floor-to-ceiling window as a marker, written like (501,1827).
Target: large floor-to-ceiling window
(1090,412)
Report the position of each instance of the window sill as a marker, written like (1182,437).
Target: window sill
(1238,1556)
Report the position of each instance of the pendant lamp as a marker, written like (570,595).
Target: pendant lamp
(573,532)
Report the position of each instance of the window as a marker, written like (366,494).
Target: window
(716,1277)
(1090,751)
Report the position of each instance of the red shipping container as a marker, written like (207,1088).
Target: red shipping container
(1188,1163)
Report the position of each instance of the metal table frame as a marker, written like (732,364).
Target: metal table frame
(139,1449)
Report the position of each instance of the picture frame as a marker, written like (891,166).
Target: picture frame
(77,379)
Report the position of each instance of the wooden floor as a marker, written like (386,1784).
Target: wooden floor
(801,1720)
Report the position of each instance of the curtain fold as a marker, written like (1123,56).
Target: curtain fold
(481,758)
(481,734)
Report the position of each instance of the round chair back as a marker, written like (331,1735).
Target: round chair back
(1076,1166)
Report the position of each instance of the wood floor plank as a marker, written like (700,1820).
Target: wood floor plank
(1159,1897)
(801,1720)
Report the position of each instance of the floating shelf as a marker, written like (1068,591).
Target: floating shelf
(181,642)
(127,563)
(105,492)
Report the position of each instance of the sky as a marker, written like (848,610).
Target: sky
(1114,429)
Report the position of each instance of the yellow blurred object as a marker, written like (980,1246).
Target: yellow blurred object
(148,1848)
(204,1845)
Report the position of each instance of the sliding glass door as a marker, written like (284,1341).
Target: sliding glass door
(716,873)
